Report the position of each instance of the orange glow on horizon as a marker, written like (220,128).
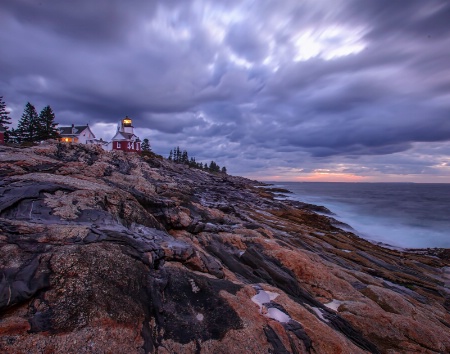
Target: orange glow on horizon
(331,177)
(314,177)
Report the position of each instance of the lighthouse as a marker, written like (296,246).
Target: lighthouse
(125,139)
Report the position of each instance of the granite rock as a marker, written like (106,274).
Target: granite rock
(114,252)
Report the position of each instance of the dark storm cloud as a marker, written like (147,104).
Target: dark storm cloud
(256,84)
(419,19)
(101,21)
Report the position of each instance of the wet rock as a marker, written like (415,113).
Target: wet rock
(277,190)
(192,308)
(298,330)
(275,341)
(22,283)
(312,207)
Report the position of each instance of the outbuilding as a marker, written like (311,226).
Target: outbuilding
(2,136)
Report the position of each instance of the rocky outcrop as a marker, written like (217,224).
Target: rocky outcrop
(109,252)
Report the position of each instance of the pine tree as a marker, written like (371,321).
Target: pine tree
(184,157)
(28,127)
(46,125)
(5,119)
(214,167)
(145,146)
(13,136)
(170,155)
(224,170)
(178,155)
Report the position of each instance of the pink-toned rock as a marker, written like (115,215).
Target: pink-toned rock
(108,252)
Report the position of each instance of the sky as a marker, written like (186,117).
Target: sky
(279,90)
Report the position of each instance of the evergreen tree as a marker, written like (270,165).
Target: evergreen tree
(178,155)
(170,155)
(224,170)
(212,166)
(5,119)
(145,146)
(28,127)
(184,157)
(46,125)
(13,136)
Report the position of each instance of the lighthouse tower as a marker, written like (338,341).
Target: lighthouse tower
(125,139)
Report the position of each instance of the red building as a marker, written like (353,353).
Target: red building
(125,139)
(2,136)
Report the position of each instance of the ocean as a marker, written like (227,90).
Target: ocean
(404,215)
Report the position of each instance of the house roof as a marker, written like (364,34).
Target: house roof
(124,136)
(77,130)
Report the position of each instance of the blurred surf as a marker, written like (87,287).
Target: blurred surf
(407,215)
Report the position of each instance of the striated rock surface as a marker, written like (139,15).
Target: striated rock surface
(109,252)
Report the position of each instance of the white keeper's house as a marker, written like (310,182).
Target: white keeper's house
(76,134)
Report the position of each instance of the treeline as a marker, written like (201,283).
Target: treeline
(182,157)
(32,127)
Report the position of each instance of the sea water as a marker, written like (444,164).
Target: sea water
(406,215)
